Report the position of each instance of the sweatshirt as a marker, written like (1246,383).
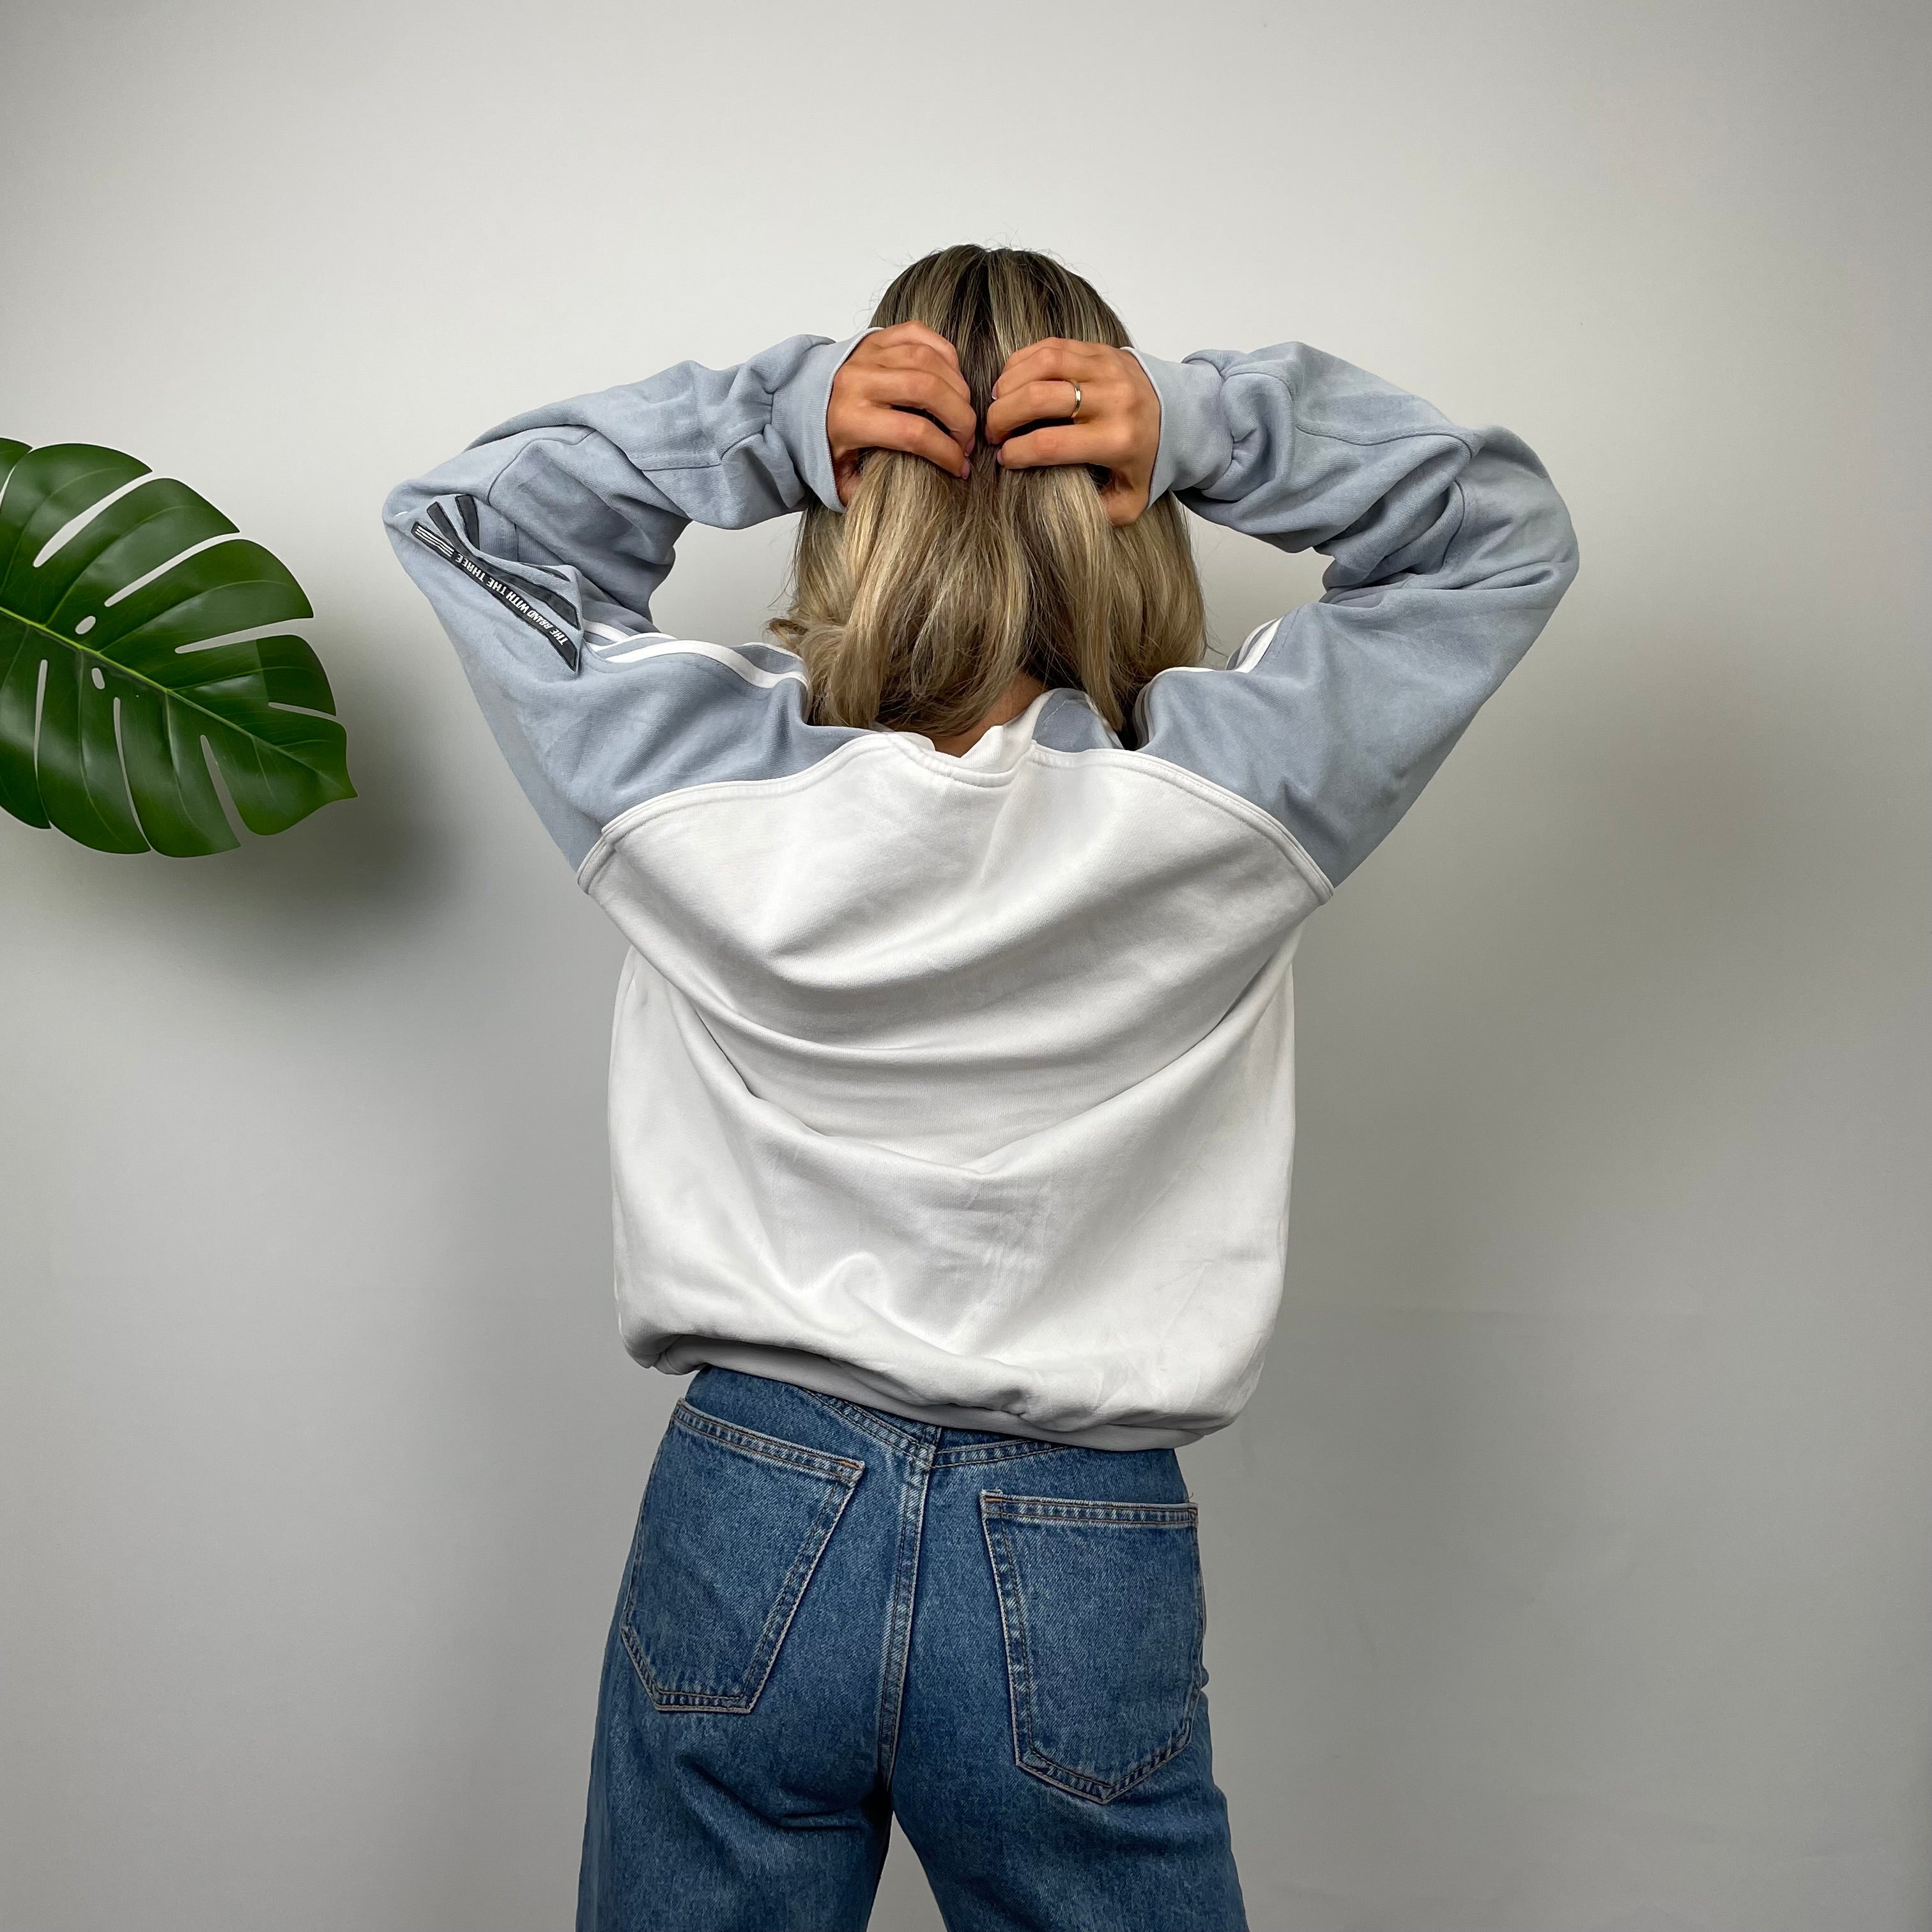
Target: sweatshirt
(962,1087)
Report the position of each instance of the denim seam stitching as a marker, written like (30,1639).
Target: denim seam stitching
(994,1506)
(766,1448)
(791,1593)
(913,1495)
(999,1452)
(881,1431)
(1058,1509)
(1001,1582)
(843,1476)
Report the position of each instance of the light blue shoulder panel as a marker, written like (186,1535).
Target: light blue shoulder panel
(1450,547)
(541,546)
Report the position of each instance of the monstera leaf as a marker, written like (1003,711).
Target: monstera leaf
(119,662)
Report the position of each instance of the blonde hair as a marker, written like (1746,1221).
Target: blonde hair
(917,606)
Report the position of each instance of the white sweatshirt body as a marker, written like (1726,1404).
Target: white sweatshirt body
(963,1087)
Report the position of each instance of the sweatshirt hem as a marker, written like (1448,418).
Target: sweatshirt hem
(823,1375)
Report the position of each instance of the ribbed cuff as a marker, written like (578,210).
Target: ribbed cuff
(1194,444)
(798,415)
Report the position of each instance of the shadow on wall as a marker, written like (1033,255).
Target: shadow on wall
(318,889)
(1566,1044)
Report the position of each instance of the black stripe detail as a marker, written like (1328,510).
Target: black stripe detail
(466,508)
(443,540)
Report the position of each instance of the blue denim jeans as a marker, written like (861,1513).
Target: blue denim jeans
(832,1617)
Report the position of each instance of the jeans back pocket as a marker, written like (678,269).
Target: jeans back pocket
(1101,1607)
(732,1526)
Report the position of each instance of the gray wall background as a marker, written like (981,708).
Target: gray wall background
(1569,1573)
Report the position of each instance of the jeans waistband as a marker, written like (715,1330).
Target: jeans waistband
(924,1442)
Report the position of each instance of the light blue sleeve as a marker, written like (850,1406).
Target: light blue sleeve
(541,546)
(1449,549)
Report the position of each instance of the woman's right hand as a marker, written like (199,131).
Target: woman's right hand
(1117,429)
(892,374)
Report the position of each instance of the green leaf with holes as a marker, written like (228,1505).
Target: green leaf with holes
(120,661)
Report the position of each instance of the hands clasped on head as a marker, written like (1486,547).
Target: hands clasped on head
(1092,405)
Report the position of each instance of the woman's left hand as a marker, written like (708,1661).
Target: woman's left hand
(1116,428)
(900,388)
